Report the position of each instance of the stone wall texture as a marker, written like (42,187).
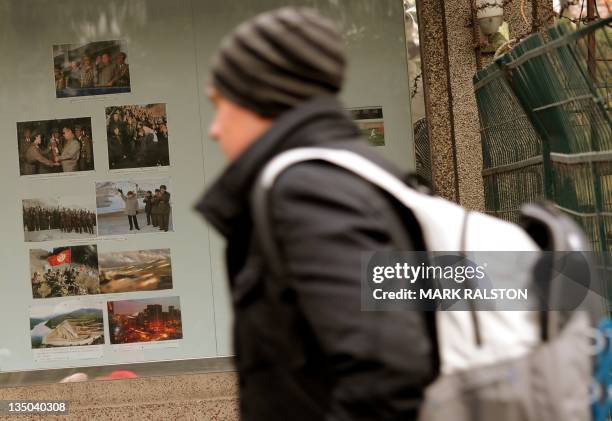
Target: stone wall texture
(449,63)
(437,97)
(201,397)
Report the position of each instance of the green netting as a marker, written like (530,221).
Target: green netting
(511,147)
(546,126)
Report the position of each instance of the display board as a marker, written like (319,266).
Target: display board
(103,103)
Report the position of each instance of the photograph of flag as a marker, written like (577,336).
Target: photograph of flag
(61,258)
(64,271)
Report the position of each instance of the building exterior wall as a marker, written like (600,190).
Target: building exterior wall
(449,63)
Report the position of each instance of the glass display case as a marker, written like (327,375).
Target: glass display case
(105,264)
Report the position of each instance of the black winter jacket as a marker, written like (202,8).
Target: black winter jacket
(312,354)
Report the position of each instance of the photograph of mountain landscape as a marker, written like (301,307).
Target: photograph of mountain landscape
(65,325)
(139,270)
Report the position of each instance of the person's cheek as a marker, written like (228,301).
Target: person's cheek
(223,135)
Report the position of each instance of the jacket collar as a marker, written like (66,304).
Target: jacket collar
(317,122)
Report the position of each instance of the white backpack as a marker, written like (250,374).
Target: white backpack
(511,374)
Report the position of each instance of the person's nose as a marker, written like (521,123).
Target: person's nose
(213,130)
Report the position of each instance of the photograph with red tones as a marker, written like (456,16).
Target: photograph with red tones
(64,271)
(145,320)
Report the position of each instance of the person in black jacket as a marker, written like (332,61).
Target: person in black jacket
(310,354)
(148,201)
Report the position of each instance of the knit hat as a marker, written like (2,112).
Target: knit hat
(279,59)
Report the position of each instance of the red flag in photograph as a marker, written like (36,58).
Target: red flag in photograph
(62,258)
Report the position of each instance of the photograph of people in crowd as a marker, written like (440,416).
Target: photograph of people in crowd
(130,207)
(95,68)
(137,136)
(58,218)
(55,146)
(64,271)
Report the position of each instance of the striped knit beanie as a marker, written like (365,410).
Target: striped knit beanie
(280,59)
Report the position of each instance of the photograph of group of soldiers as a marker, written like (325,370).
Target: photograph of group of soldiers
(52,219)
(137,136)
(157,208)
(83,270)
(95,68)
(55,146)
(120,203)
(64,271)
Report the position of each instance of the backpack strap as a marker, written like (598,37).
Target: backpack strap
(449,233)
(412,199)
(345,159)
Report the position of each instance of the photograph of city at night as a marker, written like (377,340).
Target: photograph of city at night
(147,320)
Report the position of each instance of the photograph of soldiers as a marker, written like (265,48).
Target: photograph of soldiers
(95,68)
(122,207)
(148,201)
(64,271)
(163,206)
(34,157)
(154,203)
(71,151)
(55,146)
(137,136)
(56,219)
(86,160)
